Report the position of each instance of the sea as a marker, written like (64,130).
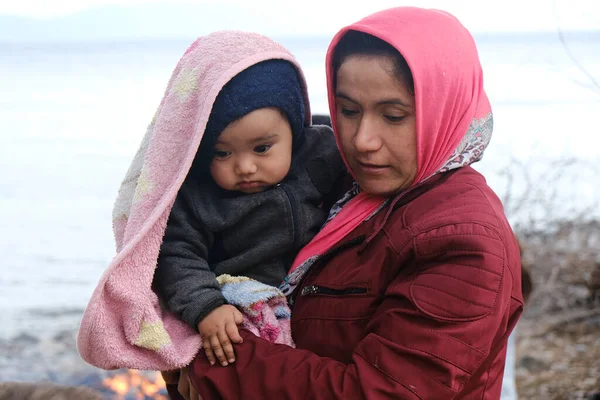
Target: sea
(73,113)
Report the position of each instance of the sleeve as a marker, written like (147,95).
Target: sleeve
(409,351)
(183,277)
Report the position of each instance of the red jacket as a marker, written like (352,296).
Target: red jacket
(416,303)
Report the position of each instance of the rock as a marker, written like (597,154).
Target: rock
(64,337)
(43,391)
(25,338)
(594,396)
(594,282)
(581,348)
(594,322)
(532,364)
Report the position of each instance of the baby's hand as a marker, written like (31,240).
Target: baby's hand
(218,331)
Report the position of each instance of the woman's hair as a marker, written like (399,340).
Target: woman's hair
(363,44)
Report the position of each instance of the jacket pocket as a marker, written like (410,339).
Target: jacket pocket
(331,320)
(316,289)
(334,302)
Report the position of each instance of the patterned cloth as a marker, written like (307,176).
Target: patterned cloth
(264,307)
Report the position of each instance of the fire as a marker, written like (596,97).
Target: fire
(132,384)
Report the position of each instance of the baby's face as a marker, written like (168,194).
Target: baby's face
(254,152)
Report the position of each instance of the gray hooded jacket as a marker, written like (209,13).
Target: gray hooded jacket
(212,232)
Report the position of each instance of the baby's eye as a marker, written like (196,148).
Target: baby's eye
(220,154)
(262,148)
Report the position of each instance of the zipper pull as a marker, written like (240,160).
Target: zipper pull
(308,290)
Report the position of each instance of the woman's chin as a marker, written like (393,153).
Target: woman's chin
(377,189)
(383,187)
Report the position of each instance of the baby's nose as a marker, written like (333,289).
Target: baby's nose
(246,166)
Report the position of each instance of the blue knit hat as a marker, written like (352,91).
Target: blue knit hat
(271,83)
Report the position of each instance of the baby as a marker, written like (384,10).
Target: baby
(257,192)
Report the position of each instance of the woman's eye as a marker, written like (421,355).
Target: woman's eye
(222,154)
(348,113)
(262,148)
(394,118)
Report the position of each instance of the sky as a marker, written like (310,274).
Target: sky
(185,17)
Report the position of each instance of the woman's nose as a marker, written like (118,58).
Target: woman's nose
(245,166)
(366,138)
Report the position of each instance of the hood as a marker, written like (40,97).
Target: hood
(180,121)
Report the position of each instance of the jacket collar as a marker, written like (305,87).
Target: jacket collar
(404,198)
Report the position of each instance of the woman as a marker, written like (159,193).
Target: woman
(413,287)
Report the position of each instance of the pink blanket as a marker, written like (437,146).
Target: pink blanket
(124,325)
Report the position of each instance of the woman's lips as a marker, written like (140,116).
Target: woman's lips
(372,168)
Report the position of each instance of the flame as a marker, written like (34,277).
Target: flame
(132,383)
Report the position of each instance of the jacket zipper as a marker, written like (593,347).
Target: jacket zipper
(291,200)
(314,289)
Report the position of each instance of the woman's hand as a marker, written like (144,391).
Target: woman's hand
(219,331)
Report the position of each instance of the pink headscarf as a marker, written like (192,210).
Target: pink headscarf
(453,114)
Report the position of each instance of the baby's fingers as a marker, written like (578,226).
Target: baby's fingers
(233,332)
(206,345)
(218,349)
(227,347)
